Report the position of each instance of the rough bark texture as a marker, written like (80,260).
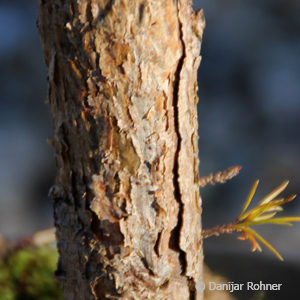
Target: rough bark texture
(123,94)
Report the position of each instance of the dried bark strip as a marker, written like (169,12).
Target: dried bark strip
(123,95)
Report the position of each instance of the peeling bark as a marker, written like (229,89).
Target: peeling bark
(123,95)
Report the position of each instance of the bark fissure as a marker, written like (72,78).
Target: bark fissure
(192,288)
(175,237)
(178,196)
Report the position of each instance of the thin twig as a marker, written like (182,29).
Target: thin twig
(263,213)
(44,237)
(220,177)
(39,238)
(221,229)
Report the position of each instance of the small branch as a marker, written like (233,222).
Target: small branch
(220,177)
(44,237)
(221,229)
(39,238)
(263,213)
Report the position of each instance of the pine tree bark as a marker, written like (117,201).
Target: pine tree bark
(123,93)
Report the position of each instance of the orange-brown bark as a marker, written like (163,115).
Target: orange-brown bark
(123,95)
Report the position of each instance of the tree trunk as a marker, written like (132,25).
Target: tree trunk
(123,94)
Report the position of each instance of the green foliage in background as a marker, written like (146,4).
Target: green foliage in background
(27,274)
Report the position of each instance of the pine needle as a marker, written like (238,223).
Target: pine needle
(267,244)
(261,214)
(249,198)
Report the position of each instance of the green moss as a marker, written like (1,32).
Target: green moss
(27,274)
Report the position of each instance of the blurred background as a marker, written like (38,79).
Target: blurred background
(249,108)
(249,115)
